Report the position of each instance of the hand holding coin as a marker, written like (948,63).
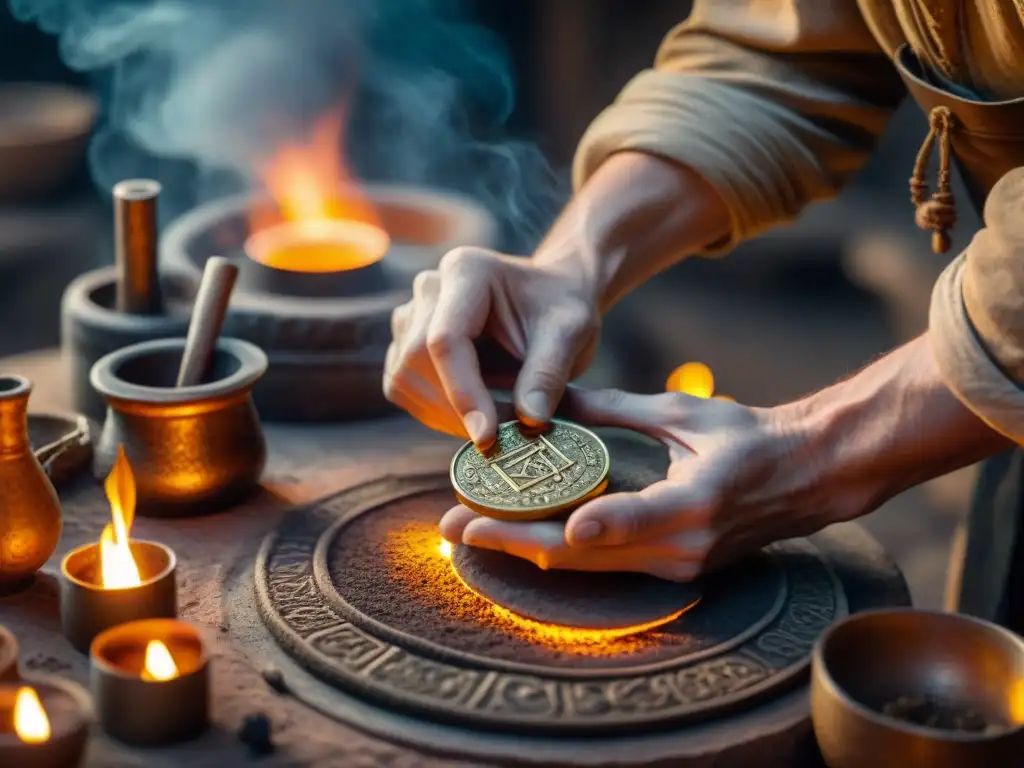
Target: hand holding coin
(736,482)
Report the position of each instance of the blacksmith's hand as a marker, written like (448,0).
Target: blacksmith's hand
(737,481)
(544,314)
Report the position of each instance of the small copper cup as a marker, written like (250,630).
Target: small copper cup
(869,666)
(193,450)
(87,608)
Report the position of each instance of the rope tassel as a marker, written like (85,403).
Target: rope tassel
(938,213)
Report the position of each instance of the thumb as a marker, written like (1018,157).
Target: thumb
(649,414)
(631,518)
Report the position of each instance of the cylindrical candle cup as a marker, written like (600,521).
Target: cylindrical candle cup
(8,656)
(145,712)
(68,715)
(86,608)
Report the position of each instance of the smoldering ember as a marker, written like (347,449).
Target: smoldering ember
(364,442)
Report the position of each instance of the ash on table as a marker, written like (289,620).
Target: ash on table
(931,712)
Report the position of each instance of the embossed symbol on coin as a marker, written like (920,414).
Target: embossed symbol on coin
(527,476)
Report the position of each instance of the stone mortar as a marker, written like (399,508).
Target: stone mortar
(91,328)
(326,354)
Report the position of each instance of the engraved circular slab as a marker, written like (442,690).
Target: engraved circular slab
(608,601)
(531,476)
(356,591)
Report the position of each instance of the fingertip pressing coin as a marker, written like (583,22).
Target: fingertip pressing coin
(530,473)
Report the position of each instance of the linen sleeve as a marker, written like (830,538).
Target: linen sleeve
(976,321)
(776,103)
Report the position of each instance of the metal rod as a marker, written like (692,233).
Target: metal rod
(135,244)
(207,318)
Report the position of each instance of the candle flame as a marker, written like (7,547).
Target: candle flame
(445,548)
(694,379)
(30,721)
(118,569)
(159,664)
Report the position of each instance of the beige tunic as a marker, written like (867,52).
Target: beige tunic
(777,103)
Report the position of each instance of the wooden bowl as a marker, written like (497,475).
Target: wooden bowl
(44,132)
(918,689)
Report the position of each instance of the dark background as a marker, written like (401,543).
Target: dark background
(785,314)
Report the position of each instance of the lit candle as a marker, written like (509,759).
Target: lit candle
(150,682)
(44,723)
(8,656)
(694,379)
(116,579)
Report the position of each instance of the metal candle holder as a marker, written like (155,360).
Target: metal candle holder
(69,714)
(144,712)
(8,656)
(86,608)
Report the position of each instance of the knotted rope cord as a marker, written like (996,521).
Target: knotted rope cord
(937,214)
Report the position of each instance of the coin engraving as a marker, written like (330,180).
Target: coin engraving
(529,465)
(531,475)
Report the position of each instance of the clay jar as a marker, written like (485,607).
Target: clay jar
(193,450)
(91,327)
(30,518)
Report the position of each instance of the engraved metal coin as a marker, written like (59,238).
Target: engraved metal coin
(530,476)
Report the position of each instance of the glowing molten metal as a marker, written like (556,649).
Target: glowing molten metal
(31,724)
(159,664)
(324,223)
(118,569)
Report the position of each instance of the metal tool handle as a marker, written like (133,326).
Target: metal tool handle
(207,318)
(135,247)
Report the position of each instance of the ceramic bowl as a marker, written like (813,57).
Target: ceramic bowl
(44,132)
(918,689)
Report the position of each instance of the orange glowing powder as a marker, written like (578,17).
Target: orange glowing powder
(553,634)
(693,379)
(159,665)
(31,724)
(118,569)
(323,221)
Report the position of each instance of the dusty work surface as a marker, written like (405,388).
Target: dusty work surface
(306,463)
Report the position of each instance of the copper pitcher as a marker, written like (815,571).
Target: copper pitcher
(30,514)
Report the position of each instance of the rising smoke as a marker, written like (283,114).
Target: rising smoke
(196,92)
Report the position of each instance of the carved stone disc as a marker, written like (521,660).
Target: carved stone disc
(357,592)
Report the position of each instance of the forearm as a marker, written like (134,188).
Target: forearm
(888,428)
(636,216)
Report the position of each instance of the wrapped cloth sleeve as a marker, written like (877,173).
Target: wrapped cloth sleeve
(976,322)
(776,103)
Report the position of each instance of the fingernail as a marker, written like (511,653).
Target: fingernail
(586,532)
(476,426)
(536,405)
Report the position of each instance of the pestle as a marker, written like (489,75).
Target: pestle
(135,247)
(207,318)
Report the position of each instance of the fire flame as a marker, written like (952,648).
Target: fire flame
(696,380)
(316,197)
(30,721)
(118,569)
(445,548)
(159,664)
